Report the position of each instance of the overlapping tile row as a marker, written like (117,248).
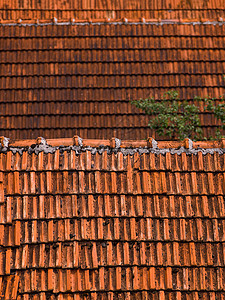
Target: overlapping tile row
(104,225)
(81,10)
(57,81)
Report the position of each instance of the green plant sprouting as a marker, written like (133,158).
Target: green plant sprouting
(219,113)
(175,118)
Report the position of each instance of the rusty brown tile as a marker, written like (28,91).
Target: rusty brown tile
(87,76)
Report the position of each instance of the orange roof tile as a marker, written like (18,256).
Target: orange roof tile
(9,287)
(85,219)
(61,80)
(114,10)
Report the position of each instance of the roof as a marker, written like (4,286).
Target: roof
(62,80)
(110,9)
(112,219)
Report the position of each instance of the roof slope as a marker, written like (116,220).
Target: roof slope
(101,9)
(126,221)
(61,80)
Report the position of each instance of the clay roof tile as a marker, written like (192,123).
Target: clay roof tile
(78,70)
(70,11)
(75,210)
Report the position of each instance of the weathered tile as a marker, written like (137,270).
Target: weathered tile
(112,225)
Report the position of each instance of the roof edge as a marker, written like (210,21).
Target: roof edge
(55,21)
(116,143)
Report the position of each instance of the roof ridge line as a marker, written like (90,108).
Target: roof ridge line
(143,21)
(116,143)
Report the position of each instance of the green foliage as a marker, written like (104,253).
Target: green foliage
(219,112)
(173,118)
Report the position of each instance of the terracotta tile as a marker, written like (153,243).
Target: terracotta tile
(112,83)
(160,228)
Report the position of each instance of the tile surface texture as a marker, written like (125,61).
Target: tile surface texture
(102,9)
(99,223)
(61,80)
